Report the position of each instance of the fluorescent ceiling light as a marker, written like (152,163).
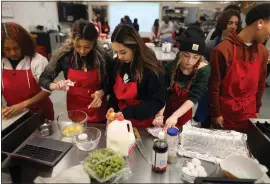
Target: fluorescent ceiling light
(192,2)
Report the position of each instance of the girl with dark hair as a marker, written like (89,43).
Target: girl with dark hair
(136,25)
(228,22)
(186,78)
(138,83)
(105,26)
(155,29)
(85,63)
(21,68)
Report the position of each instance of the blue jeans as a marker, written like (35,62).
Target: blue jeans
(202,112)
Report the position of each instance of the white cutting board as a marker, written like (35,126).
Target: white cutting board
(7,122)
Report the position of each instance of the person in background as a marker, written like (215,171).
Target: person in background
(127,20)
(136,25)
(228,22)
(186,79)
(165,30)
(216,17)
(267,44)
(96,22)
(201,20)
(138,83)
(238,72)
(122,21)
(21,69)
(85,65)
(155,29)
(230,7)
(105,26)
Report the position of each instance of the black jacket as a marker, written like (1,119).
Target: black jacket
(151,91)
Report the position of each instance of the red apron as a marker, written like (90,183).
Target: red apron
(238,93)
(79,96)
(127,94)
(20,85)
(177,98)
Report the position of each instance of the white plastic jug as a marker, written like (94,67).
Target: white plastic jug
(120,136)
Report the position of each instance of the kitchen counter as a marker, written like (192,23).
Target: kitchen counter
(141,170)
(162,56)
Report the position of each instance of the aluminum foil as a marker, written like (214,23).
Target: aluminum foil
(211,145)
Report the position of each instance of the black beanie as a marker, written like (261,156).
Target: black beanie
(193,40)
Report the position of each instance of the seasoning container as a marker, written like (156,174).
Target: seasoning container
(45,129)
(172,140)
(160,154)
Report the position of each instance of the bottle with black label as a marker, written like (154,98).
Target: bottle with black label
(160,154)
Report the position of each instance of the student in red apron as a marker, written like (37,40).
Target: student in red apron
(187,79)
(84,64)
(21,68)
(138,83)
(238,72)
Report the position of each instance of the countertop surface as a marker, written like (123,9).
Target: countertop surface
(141,170)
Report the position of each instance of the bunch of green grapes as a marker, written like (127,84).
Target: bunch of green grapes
(104,163)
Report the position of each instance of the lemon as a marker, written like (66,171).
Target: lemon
(66,131)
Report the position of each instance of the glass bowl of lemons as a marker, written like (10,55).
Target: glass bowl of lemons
(72,123)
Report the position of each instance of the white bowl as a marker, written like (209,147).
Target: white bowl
(241,167)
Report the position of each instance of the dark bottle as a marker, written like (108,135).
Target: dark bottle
(160,154)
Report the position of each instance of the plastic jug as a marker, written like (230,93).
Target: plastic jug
(120,136)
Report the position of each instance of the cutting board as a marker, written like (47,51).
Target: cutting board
(7,122)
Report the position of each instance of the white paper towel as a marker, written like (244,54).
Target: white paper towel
(74,174)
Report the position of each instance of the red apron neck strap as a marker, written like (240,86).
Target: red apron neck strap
(234,51)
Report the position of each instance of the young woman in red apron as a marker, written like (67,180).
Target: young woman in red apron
(138,84)
(21,67)
(237,80)
(84,65)
(187,77)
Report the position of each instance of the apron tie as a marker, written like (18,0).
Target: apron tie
(2,77)
(28,79)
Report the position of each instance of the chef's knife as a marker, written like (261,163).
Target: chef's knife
(140,146)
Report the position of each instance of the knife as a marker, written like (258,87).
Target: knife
(140,146)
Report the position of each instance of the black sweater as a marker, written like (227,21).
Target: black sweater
(151,92)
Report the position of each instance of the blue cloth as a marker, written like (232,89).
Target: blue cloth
(202,111)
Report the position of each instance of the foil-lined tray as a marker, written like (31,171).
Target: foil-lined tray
(211,145)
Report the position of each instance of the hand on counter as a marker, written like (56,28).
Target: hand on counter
(219,121)
(97,96)
(13,110)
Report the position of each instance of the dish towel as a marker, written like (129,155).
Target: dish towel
(74,174)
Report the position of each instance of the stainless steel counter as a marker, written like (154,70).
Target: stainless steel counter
(141,170)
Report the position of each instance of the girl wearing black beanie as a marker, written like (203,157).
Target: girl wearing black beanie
(186,78)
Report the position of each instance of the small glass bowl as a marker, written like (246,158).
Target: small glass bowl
(88,140)
(210,168)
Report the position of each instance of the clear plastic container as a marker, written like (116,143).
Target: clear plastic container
(172,140)
(88,140)
(71,123)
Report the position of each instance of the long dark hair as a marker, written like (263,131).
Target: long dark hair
(224,20)
(144,57)
(82,29)
(156,25)
(16,32)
